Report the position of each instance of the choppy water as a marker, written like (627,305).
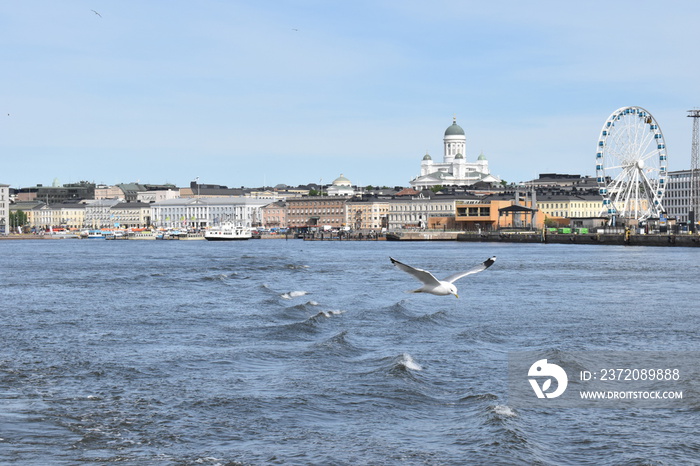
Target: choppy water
(292,352)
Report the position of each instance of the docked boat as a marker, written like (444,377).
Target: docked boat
(228,232)
(92,234)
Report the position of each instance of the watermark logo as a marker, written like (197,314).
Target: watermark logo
(541,369)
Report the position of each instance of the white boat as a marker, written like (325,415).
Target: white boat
(92,234)
(228,232)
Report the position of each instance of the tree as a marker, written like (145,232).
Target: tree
(437,188)
(18,219)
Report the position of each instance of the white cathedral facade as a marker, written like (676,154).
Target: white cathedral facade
(454,169)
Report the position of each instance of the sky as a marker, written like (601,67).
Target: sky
(249,93)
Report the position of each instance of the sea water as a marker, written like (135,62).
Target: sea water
(294,352)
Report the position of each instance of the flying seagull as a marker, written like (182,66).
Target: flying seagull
(96,13)
(440,287)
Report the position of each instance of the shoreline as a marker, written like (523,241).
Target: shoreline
(619,239)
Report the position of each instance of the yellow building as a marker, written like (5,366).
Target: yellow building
(367,214)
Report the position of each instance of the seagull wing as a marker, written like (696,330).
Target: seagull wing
(479,268)
(424,276)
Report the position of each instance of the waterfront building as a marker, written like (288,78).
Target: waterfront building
(98,213)
(368,213)
(454,170)
(555,204)
(131,215)
(4,209)
(274,215)
(410,212)
(194,213)
(71,215)
(46,217)
(316,211)
(484,214)
(677,195)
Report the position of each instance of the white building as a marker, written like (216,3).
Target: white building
(341,187)
(206,212)
(415,212)
(157,195)
(98,213)
(454,169)
(676,199)
(4,209)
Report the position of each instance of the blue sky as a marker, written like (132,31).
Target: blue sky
(246,93)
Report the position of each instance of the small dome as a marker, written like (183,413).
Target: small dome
(342,181)
(481,157)
(427,157)
(459,156)
(454,129)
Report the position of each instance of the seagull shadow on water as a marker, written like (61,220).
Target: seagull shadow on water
(440,287)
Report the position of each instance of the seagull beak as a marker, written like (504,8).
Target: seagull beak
(456,295)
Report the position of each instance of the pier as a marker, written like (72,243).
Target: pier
(626,239)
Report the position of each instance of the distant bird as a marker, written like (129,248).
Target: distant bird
(96,13)
(440,287)
(295,29)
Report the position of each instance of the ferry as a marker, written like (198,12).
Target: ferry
(228,232)
(92,234)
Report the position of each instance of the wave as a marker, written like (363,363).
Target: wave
(328,314)
(479,397)
(220,277)
(293,294)
(434,318)
(309,325)
(337,344)
(307,306)
(502,411)
(397,308)
(407,361)
(296,267)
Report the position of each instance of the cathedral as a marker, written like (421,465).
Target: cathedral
(454,169)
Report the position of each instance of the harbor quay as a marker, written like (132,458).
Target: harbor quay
(625,238)
(622,238)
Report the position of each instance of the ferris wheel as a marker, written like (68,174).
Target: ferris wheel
(631,165)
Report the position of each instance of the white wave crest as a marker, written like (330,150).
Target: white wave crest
(294,294)
(329,313)
(503,411)
(408,362)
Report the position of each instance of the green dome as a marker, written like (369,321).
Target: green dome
(454,129)
(427,157)
(481,157)
(459,156)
